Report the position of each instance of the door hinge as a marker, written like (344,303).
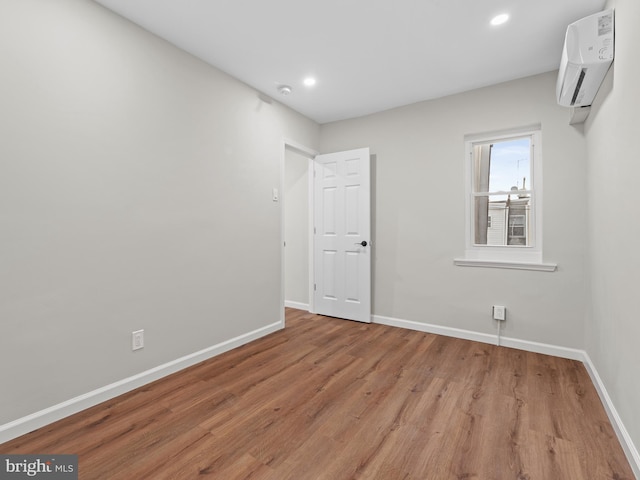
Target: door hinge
(314,287)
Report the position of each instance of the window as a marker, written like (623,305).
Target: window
(504,205)
(517,229)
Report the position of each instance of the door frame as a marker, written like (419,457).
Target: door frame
(309,153)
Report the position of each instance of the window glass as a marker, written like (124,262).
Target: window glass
(502,191)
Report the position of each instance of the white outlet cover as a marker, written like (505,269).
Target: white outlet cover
(137,340)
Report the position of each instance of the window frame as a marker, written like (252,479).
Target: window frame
(506,256)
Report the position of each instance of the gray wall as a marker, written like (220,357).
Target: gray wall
(135,182)
(612,130)
(419,220)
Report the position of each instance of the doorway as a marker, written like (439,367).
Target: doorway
(296,218)
(327,272)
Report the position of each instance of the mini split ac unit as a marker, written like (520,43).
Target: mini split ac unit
(586,57)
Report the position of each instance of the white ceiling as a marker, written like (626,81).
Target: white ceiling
(367,55)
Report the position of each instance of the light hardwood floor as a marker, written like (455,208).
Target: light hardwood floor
(332,399)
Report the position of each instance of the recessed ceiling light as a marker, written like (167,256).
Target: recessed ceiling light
(284,89)
(499,19)
(309,81)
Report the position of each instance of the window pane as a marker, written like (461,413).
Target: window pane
(502,166)
(510,165)
(501,220)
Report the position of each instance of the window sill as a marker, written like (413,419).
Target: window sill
(539,267)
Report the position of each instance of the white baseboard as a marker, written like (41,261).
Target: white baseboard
(629,448)
(563,352)
(437,329)
(536,347)
(298,305)
(544,348)
(54,413)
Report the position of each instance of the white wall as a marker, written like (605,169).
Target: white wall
(419,221)
(613,327)
(296,233)
(135,192)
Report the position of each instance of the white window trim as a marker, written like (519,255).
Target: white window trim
(511,257)
(539,267)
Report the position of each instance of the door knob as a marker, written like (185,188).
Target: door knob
(362,243)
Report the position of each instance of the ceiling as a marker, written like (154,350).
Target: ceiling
(367,55)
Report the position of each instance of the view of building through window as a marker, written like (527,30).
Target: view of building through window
(502,192)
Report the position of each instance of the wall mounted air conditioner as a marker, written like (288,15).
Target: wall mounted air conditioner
(586,57)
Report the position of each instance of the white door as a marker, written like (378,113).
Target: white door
(342,235)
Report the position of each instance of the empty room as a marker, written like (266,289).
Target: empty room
(319,240)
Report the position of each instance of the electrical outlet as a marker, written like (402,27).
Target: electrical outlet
(137,340)
(499,312)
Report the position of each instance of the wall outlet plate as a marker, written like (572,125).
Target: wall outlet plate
(499,312)
(137,340)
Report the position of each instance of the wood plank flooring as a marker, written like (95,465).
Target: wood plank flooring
(332,399)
